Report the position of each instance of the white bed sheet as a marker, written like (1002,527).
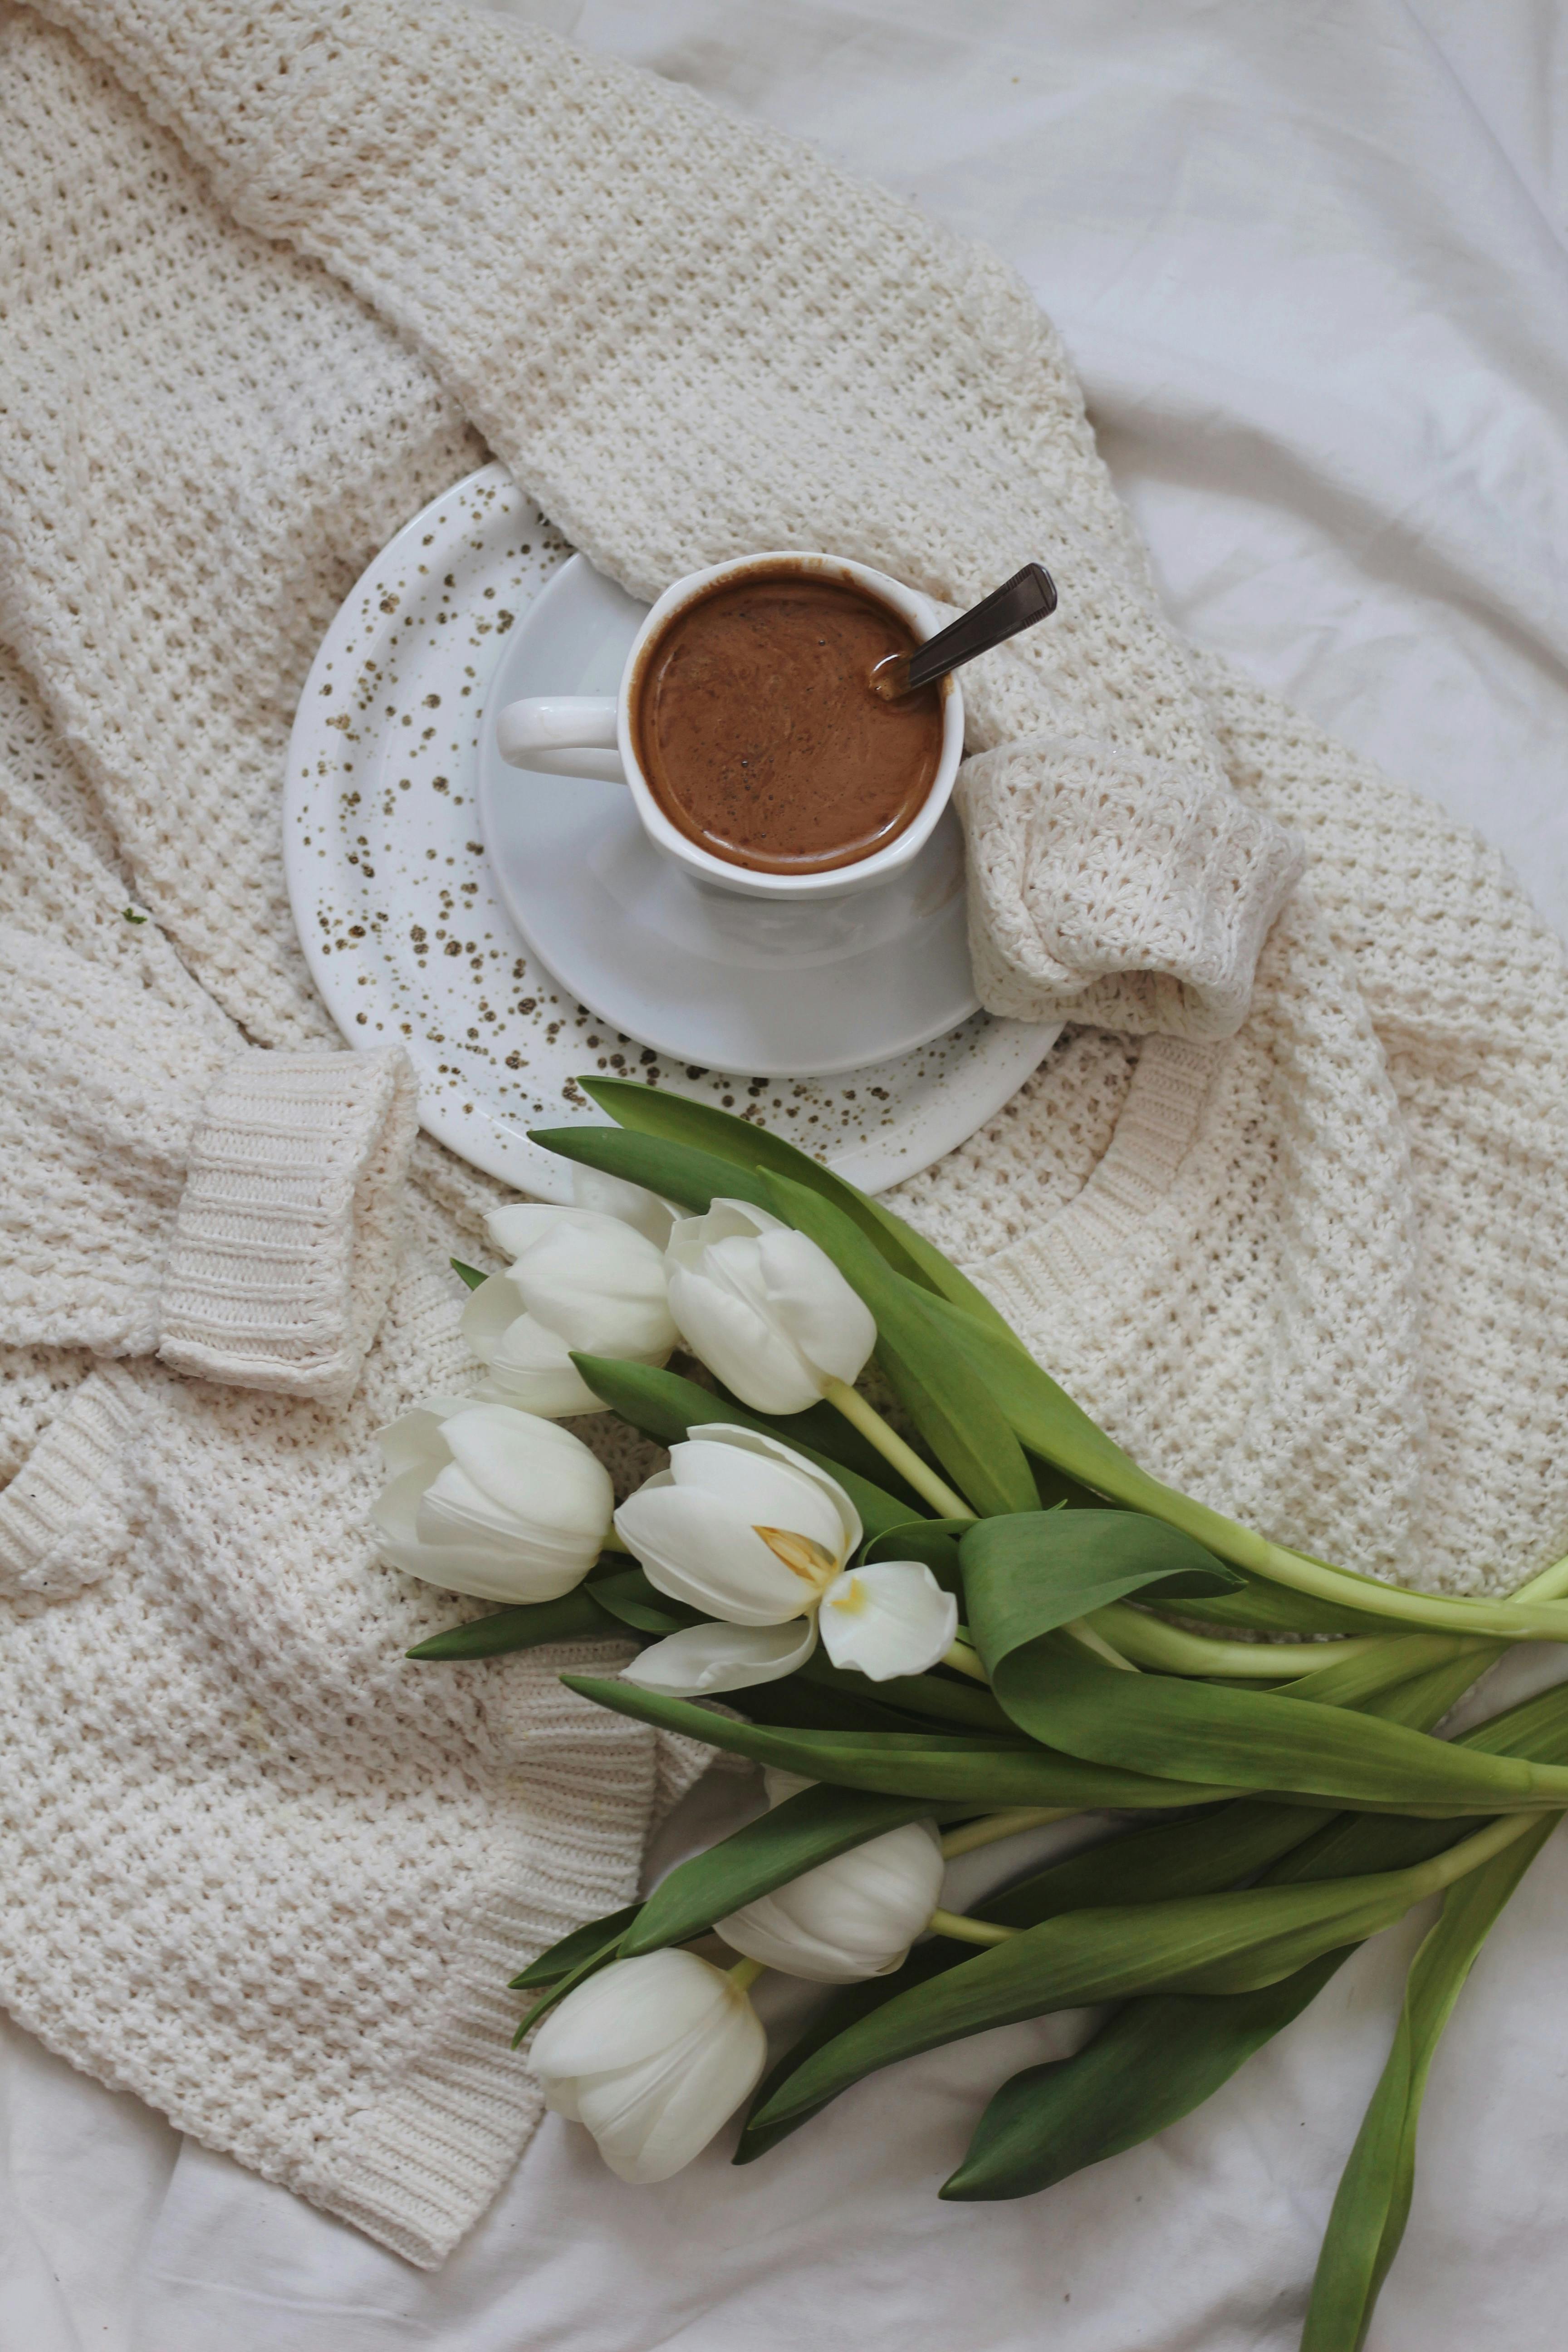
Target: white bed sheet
(1310,261)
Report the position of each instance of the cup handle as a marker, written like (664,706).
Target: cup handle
(562,735)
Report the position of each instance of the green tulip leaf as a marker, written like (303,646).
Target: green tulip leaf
(1160,2057)
(984,1768)
(666,1408)
(1258,1739)
(1232,1942)
(635,1602)
(1264,1607)
(676,1172)
(799,1702)
(846,2007)
(576,1616)
(470,1274)
(1203,1854)
(1372,2203)
(1025,1576)
(654,1112)
(942,1698)
(1154,2062)
(953,1413)
(584,1943)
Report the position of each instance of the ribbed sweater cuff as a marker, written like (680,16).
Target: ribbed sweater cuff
(290,1225)
(62,1516)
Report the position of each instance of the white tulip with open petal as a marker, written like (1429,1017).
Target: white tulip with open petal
(752,1534)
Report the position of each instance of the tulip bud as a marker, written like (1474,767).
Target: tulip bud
(579,1280)
(852,1917)
(766,1311)
(653,2056)
(488,1500)
(613,1196)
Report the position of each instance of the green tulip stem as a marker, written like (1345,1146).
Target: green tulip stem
(966,1660)
(1444,1869)
(1531,1615)
(744,1974)
(1427,1878)
(891,1447)
(1550,1585)
(992,1827)
(1084,1634)
(1150,1642)
(969,1931)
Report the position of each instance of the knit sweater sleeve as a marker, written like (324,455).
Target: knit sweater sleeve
(571,247)
(166,1189)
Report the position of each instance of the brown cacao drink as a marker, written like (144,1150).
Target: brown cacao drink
(760,733)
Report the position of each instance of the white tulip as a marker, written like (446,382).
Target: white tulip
(746,1529)
(613,1196)
(852,1917)
(654,2055)
(488,1500)
(766,1311)
(580,1279)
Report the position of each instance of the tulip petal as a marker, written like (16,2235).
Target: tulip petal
(540,1472)
(734,1338)
(891,1618)
(466,1558)
(696,1548)
(489,1314)
(531,1367)
(601,1285)
(679,2109)
(703,1659)
(613,1196)
(848,1918)
(523,1222)
(414,1439)
(766,1486)
(683,2047)
(625,2013)
(753,1447)
(828,1322)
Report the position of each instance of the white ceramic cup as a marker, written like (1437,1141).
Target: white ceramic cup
(591,735)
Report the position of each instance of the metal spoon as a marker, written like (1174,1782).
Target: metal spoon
(1017,605)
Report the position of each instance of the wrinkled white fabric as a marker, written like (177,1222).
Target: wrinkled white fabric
(1308,270)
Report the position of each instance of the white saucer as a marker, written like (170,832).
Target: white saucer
(700,973)
(403,922)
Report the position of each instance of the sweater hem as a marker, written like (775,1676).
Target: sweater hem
(287,1233)
(1155,1131)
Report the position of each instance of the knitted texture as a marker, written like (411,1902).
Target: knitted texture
(289,1227)
(272,273)
(801,400)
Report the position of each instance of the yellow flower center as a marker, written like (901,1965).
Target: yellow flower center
(802,1556)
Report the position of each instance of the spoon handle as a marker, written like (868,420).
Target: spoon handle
(1018,603)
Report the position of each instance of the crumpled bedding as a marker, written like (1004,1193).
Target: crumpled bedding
(1311,266)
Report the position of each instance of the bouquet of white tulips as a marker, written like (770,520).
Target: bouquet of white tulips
(932,1642)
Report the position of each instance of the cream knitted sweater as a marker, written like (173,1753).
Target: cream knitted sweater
(1284,1207)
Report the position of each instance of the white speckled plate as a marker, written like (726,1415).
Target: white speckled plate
(407,935)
